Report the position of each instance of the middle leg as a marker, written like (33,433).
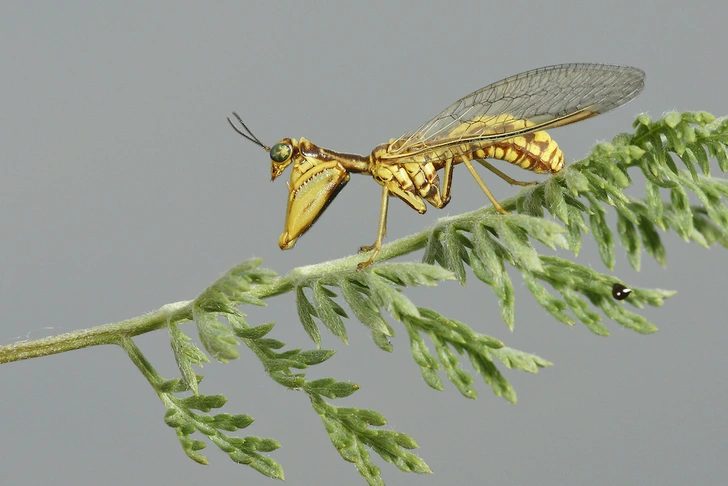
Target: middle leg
(381,231)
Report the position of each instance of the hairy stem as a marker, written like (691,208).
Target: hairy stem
(105,334)
(182,311)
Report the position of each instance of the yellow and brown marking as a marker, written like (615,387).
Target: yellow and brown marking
(414,177)
(505,120)
(536,152)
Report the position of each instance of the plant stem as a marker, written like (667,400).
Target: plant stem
(182,311)
(106,334)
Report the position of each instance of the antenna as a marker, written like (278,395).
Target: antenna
(249,135)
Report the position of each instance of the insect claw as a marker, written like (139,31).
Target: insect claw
(365,264)
(374,254)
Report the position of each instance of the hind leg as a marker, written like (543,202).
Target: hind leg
(503,176)
(482,185)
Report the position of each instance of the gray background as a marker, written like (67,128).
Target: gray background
(122,188)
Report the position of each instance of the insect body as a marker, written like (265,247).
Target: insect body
(504,120)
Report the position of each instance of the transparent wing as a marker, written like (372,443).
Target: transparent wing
(527,102)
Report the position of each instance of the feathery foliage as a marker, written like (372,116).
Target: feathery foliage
(675,154)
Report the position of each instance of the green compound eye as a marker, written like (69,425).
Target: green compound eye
(280,152)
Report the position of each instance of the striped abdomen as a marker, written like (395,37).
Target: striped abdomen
(536,152)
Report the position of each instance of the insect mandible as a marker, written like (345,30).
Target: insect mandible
(504,120)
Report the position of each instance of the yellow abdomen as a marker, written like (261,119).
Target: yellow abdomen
(536,152)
